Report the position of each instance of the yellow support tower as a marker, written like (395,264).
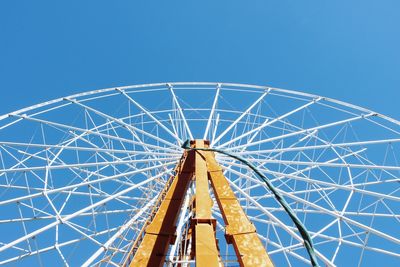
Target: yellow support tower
(151,249)
(239,230)
(206,250)
(161,231)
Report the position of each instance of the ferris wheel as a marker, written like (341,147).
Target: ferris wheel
(84,179)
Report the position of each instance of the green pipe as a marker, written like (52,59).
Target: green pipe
(302,229)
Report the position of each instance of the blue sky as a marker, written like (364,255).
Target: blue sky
(347,50)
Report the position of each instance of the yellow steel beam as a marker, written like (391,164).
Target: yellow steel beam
(239,230)
(160,232)
(203,199)
(206,250)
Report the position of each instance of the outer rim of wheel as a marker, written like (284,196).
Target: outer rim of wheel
(295,92)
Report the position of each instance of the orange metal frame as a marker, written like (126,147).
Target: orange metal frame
(160,232)
(239,231)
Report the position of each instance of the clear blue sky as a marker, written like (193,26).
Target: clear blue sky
(344,49)
(347,50)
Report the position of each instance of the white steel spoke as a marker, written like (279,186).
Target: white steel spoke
(335,214)
(56,190)
(214,141)
(131,128)
(151,116)
(92,131)
(180,110)
(340,145)
(267,123)
(212,111)
(71,216)
(310,130)
(327,164)
(119,232)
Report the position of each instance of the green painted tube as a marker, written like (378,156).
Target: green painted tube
(302,229)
